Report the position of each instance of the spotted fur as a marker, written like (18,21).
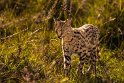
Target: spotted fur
(83,41)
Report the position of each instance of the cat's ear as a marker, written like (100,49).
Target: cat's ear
(54,19)
(69,21)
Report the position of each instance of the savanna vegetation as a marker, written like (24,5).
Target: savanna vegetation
(30,51)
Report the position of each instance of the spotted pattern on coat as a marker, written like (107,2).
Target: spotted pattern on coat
(83,41)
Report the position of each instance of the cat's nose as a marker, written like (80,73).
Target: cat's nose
(59,37)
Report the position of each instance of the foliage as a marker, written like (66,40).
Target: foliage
(31,52)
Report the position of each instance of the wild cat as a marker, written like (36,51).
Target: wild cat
(83,40)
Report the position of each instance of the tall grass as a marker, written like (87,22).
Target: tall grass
(31,52)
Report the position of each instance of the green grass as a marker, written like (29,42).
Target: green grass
(31,52)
